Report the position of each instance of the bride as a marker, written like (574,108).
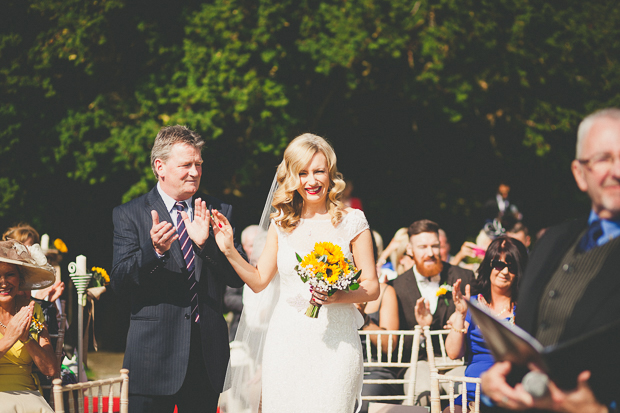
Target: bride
(309,365)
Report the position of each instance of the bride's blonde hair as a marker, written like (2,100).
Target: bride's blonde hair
(286,200)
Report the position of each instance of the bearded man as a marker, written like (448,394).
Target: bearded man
(416,290)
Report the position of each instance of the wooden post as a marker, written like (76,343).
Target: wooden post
(59,406)
(124,405)
(435,400)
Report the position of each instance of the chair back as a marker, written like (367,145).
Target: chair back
(436,398)
(81,390)
(392,358)
(442,362)
(60,337)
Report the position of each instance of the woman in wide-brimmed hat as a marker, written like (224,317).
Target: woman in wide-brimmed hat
(24,339)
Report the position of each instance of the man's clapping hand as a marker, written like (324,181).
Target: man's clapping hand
(198,229)
(163,234)
(423,312)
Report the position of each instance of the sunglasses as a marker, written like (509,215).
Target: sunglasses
(500,265)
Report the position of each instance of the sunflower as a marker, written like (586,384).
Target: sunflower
(60,245)
(102,273)
(310,260)
(333,271)
(333,253)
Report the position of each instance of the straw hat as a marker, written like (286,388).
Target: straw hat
(31,263)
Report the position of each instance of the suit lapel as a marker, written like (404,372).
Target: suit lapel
(410,295)
(441,303)
(154,202)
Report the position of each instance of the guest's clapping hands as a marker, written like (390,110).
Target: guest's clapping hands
(198,229)
(56,291)
(579,400)
(457,297)
(422,312)
(19,326)
(52,293)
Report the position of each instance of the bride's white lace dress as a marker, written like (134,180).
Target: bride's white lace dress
(312,365)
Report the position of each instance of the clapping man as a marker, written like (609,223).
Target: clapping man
(416,290)
(168,265)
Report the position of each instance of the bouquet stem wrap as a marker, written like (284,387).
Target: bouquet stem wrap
(313,309)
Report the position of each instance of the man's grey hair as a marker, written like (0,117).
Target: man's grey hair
(587,123)
(167,137)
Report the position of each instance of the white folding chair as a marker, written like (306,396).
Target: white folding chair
(80,390)
(393,358)
(442,362)
(436,398)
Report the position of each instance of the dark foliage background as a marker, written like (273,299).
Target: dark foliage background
(428,104)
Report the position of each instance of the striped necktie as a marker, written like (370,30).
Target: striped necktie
(188,256)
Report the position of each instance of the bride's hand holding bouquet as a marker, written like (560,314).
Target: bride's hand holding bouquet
(328,271)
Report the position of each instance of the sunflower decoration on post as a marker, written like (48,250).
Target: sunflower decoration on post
(60,246)
(98,283)
(327,269)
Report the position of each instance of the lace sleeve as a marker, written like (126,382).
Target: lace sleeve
(356,223)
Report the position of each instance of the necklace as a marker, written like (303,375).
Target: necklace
(4,325)
(508,307)
(502,312)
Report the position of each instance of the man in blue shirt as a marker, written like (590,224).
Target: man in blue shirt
(572,285)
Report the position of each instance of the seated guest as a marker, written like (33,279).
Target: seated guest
(417,294)
(394,259)
(22,341)
(497,288)
(29,236)
(444,246)
(520,232)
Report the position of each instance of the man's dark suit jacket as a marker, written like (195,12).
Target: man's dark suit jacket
(408,293)
(600,303)
(158,342)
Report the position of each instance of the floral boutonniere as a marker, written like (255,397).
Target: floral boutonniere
(35,325)
(443,290)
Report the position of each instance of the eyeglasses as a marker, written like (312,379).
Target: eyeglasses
(600,163)
(500,265)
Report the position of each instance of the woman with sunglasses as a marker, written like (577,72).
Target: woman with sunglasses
(497,288)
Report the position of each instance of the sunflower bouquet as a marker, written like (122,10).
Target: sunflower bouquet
(327,269)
